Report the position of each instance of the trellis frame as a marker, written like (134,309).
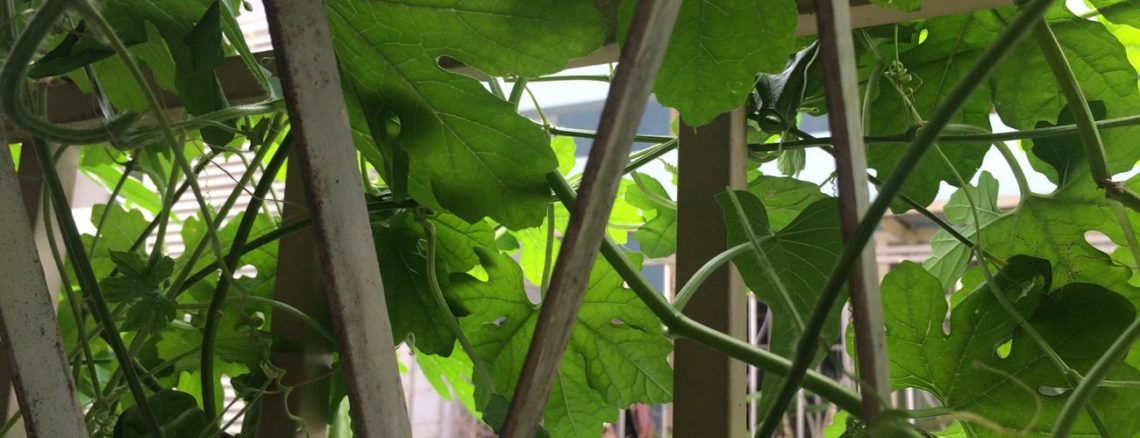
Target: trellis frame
(703,178)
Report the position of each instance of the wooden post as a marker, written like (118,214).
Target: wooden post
(31,183)
(709,387)
(32,342)
(641,58)
(327,159)
(837,55)
(299,285)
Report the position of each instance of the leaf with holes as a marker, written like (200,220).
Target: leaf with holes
(617,352)
(468,151)
(965,370)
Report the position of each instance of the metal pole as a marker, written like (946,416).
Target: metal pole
(308,70)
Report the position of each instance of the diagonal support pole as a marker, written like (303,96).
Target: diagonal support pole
(637,68)
(32,343)
(308,69)
(837,54)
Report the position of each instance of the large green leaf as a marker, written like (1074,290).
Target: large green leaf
(790,274)
(657,237)
(617,352)
(415,315)
(1025,92)
(933,69)
(1119,11)
(949,257)
(964,369)
(783,198)
(716,50)
(468,151)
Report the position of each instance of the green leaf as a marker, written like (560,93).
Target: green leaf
(133,191)
(198,86)
(403,267)
(949,257)
(468,151)
(617,352)
(965,373)
(177,413)
(1064,153)
(564,148)
(783,198)
(152,312)
(450,376)
(1119,11)
(793,270)
(902,5)
(657,237)
(1025,92)
(716,50)
(456,240)
(933,68)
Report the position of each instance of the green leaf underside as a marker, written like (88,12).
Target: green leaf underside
(468,151)
(716,50)
(617,352)
(797,262)
(962,368)
(949,257)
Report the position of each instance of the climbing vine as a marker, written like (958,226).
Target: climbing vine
(468,199)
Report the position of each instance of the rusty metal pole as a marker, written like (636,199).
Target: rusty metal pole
(837,55)
(629,93)
(327,158)
(32,341)
(709,388)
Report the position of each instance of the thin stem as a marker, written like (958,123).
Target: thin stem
(762,258)
(582,133)
(437,293)
(100,24)
(595,78)
(681,325)
(81,264)
(517,91)
(690,288)
(1015,167)
(909,136)
(496,89)
(130,167)
(1081,395)
(548,257)
(241,235)
(808,343)
(282,306)
(73,303)
(10,423)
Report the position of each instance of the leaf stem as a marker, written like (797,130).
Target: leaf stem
(1015,167)
(583,133)
(925,138)
(909,136)
(556,78)
(681,325)
(214,314)
(85,274)
(690,288)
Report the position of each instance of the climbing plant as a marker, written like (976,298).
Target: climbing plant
(468,198)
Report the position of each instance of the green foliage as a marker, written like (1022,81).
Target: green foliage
(792,270)
(616,356)
(178,415)
(961,368)
(469,152)
(717,48)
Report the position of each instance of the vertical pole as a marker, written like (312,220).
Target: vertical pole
(837,54)
(299,285)
(31,183)
(327,158)
(32,342)
(640,60)
(709,388)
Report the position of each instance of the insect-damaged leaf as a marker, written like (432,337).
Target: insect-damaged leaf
(964,368)
(469,152)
